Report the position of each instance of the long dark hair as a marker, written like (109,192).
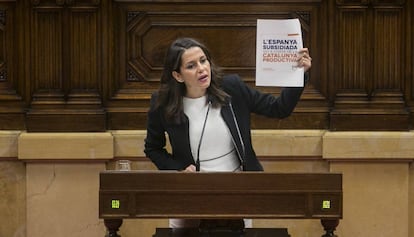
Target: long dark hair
(171,92)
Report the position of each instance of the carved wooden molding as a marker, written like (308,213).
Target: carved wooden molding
(371,2)
(370,75)
(65,81)
(354,2)
(222,1)
(7,83)
(65,2)
(388,2)
(3,63)
(148,36)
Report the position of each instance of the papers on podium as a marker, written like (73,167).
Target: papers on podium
(277,46)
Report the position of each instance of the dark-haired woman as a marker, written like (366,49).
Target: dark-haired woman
(207,116)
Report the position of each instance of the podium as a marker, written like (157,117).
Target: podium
(219,195)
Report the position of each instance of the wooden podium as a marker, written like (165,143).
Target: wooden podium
(219,195)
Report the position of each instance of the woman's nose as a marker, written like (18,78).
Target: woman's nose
(200,67)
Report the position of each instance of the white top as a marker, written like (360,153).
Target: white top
(217,151)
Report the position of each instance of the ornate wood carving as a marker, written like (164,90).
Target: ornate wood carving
(229,32)
(370,2)
(66,56)
(369,87)
(71,65)
(11,103)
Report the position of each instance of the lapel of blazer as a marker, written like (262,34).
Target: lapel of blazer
(181,141)
(227,114)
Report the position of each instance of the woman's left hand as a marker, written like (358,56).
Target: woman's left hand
(304,59)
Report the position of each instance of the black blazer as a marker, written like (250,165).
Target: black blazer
(236,114)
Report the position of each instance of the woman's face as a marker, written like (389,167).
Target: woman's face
(195,72)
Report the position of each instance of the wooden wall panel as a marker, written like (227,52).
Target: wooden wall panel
(369,91)
(229,29)
(388,50)
(409,59)
(11,104)
(65,80)
(353,42)
(47,60)
(84,42)
(68,65)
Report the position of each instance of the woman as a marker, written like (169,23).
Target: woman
(206,116)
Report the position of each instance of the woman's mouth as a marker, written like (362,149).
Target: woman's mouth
(203,78)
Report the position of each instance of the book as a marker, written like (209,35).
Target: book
(277,46)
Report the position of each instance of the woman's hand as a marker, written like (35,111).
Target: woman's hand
(190,168)
(304,59)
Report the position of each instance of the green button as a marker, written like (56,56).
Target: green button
(326,204)
(115,204)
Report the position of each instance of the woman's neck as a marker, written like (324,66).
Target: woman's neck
(196,94)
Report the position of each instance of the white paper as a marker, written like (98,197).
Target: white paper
(277,46)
